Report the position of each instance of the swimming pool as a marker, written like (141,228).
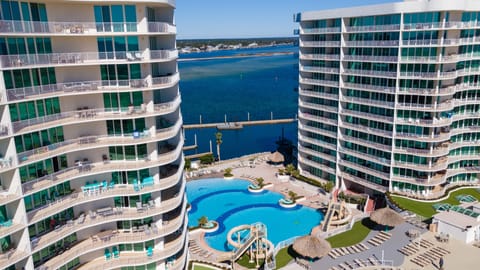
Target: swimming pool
(230,204)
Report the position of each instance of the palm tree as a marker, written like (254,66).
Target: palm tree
(218,138)
(260,181)
(202,221)
(292,195)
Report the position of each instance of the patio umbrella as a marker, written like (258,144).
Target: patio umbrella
(276,157)
(311,246)
(387,217)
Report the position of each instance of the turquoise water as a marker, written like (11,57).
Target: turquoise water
(237,87)
(230,204)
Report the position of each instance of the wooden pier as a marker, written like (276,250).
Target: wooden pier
(241,123)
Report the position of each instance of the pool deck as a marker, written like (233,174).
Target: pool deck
(462,256)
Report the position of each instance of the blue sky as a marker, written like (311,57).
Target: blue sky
(248,18)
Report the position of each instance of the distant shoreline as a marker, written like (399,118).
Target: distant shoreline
(243,55)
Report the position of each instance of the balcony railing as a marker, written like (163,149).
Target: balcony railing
(365,169)
(321,143)
(315,164)
(319,69)
(10,257)
(82,28)
(362,128)
(316,106)
(317,130)
(305,92)
(444,106)
(363,181)
(88,245)
(372,158)
(123,213)
(317,118)
(98,167)
(379,103)
(93,114)
(367,72)
(89,86)
(371,116)
(380,88)
(366,143)
(314,56)
(317,81)
(314,153)
(370,28)
(370,58)
(372,43)
(83,58)
(321,30)
(320,43)
(85,142)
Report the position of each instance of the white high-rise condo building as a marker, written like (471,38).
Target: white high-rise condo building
(390,96)
(91,163)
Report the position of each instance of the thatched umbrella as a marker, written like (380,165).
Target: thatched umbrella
(276,157)
(387,217)
(311,246)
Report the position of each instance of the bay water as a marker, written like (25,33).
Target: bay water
(254,87)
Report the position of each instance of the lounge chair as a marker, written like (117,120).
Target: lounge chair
(108,255)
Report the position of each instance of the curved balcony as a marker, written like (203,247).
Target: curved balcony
(425,122)
(363,182)
(319,43)
(12,194)
(316,118)
(78,198)
(447,75)
(382,161)
(463,170)
(320,30)
(439,107)
(361,128)
(439,179)
(319,69)
(314,153)
(370,116)
(316,94)
(370,58)
(89,87)
(370,102)
(366,143)
(466,115)
(372,43)
(84,58)
(433,152)
(13,256)
(313,56)
(90,115)
(54,28)
(76,171)
(317,130)
(317,165)
(123,214)
(366,170)
(369,87)
(373,28)
(466,101)
(439,25)
(90,142)
(439,165)
(88,245)
(319,82)
(367,72)
(315,106)
(132,258)
(321,143)
(424,138)
(446,91)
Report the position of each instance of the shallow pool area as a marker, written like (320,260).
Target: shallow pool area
(231,204)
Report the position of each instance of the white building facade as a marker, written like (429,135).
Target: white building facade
(91,156)
(389,98)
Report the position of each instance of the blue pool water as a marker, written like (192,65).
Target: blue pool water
(230,204)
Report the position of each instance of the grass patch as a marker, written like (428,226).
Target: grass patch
(425,209)
(359,231)
(284,256)
(245,262)
(201,267)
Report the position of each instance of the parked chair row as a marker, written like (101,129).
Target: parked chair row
(356,263)
(378,239)
(338,252)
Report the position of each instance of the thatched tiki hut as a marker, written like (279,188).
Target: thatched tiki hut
(386,217)
(276,158)
(312,247)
